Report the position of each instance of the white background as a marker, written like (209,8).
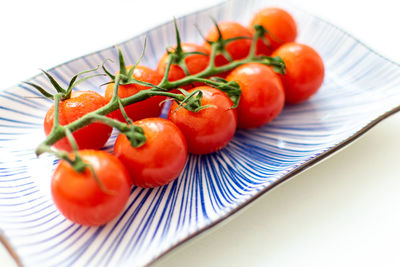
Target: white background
(343,212)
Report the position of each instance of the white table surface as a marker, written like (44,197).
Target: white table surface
(343,212)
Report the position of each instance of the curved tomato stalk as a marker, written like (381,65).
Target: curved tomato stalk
(135,134)
(79,165)
(64,93)
(76,162)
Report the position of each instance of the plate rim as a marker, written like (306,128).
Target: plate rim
(5,241)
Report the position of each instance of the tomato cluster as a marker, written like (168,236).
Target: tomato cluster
(98,193)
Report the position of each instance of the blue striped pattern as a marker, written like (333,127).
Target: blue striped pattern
(359,86)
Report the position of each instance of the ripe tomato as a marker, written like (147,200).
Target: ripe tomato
(160,160)
(304,71)
(210,129)
(143,109)
(93,136)
(195,63)
(262,96)
(79,197)
(237,49)
(280,25)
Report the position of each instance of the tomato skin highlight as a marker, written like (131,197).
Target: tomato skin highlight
(237,49)
(148,108)
(195,63)
(79,197)
(93,136)
(160,160)
(280,25)
(210,129)
(304,71)
(262,97)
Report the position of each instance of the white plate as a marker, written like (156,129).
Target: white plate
(212,187)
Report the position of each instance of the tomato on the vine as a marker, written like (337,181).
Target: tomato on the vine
(80,198)
(262,97)
(195,63)
(158,161)
(237,49)
(148,108)
(280,25)
(304,71)
(211,128)
(93,136)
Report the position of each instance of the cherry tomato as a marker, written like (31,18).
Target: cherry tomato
(262,96)
(210,129)
(304,71)
(93,136)
(143,109)
(280,25)
(80,198)
(160,160)
(237,49)
(195,63)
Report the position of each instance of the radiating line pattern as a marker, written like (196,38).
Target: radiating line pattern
(359,86)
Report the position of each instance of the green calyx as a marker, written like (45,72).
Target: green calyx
(191,101)
(221,43)
(177,54)
(64,93)
(231,88)
(135,135)
(126,77)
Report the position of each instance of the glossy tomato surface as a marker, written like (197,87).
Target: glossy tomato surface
(195,63)
(210,129)
(280,25)
(160,160)
(304,71)
(262,97)
(143,109)
(93,136)
(79,197)
(237,49)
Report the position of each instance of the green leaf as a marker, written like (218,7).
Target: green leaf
(58,88)
(41,90)
(178,49)
(122,67)
(218,29)
(130,73)
(106,71)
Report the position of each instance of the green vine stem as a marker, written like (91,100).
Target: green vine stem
(186,100)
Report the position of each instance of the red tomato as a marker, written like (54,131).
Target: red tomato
(143,109)
(280,25)
(160,160)
(93,136)
(210,129)
(237,49)
(262,96)
(195,63)
(304,71)
(79,197)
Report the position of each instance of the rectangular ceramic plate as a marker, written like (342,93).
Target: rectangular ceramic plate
(360,89)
